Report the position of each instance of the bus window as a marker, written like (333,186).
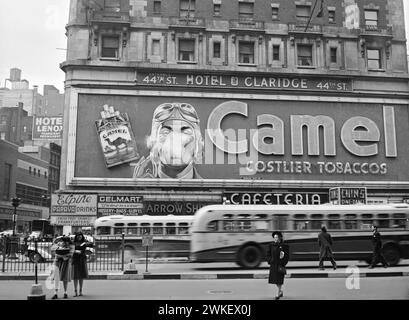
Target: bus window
(383,220)
(316,221)
(334,222)
(280,222)
(350,221)
(212,226)
(260,216)
(132,230)
(228,225)
(261,225)
(104,230)
(119,228)
(145,228)
(227,216)
(171,228)
(157,228)
(183,228)
(244,225)
(300,222)
(243,216)
(399,220)
(366,221)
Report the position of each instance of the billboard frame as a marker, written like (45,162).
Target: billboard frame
(74,181)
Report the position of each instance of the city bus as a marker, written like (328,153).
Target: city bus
(241,233)
(171,237)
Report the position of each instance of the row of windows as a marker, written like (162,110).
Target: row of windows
(304,222)
(187,8)
(31,195)
(159,228)
(36,172)
(246,52)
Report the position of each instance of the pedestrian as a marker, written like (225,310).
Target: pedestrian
(62,263)
(278,255)
(325,243)
(79,262)
(377,255)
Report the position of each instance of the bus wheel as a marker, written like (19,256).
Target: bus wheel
(249,257)
(391,254)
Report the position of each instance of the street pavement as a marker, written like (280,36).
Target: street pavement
(164,269)
(383,288)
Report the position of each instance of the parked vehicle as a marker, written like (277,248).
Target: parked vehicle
(45,249)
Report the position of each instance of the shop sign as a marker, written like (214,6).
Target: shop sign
(297,198)
(124,204)
(347,195)
(173,207)
(75,204)
(20,213)
(83,221)
(242,82)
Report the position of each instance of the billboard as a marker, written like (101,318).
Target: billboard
(210,138)
(47,128)
(124,204)
(73,204)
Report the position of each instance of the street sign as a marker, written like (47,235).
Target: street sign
(147,240)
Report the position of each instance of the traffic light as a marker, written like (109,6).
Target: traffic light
(15,202)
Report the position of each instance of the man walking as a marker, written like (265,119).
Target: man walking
(325,243)
(377,255)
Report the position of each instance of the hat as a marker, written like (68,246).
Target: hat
(277,233)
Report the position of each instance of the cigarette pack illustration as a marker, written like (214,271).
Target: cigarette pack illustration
(116,137)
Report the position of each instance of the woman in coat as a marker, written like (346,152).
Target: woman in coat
(62,263)
(278,255)
(79,262)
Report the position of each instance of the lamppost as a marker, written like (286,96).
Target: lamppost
(13,241)
(15,202)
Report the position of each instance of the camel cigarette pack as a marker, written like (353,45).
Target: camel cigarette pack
(116,138)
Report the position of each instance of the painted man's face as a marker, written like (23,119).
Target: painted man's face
(177,142)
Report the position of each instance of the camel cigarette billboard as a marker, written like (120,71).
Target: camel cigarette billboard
(210,138)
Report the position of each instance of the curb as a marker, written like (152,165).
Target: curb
(209,276)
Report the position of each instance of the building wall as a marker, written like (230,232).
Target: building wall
(133,31)
(31,206)
(115,80)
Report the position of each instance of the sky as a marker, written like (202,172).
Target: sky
(32,38)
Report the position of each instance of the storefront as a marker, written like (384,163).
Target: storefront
(23,222)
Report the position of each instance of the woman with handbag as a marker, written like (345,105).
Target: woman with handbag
(62,264)
(79,262)
(277,258)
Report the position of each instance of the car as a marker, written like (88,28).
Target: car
(46,249)
(6,233)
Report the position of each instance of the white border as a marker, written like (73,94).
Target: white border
(73,181)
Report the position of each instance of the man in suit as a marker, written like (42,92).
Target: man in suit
(325,243)
(377,255)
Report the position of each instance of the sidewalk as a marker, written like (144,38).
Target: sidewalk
(262,273)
